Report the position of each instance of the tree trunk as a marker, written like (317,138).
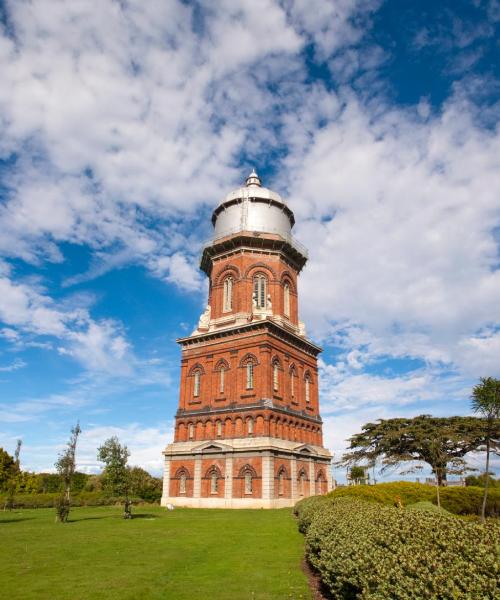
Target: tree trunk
(486,479)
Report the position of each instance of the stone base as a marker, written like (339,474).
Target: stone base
(260,472)
(183,502)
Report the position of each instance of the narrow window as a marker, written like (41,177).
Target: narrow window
(308,388)
(228,295)
(248,482)
(191,431)
(221,380)
(281,483)
(302,484)
(182,484)
(260,291)
(276,377)
(196,391)
(219,428)
(286,300)
(250,426)
(292,383)
(249,375)
(213,483)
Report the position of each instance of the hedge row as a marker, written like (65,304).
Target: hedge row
(457,500)
(80,499)
(371,552)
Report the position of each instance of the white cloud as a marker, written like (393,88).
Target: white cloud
(98,345)
(13,366)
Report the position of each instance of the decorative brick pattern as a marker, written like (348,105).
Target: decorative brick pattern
(247,433)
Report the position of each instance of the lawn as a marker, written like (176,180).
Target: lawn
(183,554)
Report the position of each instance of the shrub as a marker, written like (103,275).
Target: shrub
(81,499)
(377,552)
(458,500)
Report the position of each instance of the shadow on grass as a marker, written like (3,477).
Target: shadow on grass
(14,520)
(94,518)
(115,516)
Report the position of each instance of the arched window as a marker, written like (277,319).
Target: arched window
(250,426)
(260,291)
(197,381)
(248,482)
(249,370)
(307,379)
(182,483)
(222,374)
(227,304)
(219,428)
(191,431)
(302,483)
(281,481)
(213,482)
(293,374)
(286,299)
(276,377)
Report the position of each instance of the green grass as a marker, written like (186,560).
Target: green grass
(184,554)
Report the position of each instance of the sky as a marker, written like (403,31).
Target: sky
(124,123)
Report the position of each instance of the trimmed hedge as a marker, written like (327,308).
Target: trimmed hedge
(372,552)
(80,499)
(457,500)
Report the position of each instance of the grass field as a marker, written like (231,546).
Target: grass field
(184,554)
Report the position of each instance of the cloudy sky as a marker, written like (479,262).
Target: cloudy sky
(123,123)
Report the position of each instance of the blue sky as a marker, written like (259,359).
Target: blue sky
(124,123)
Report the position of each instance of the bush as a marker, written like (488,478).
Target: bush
(377,552)
(81,499)
(458,500)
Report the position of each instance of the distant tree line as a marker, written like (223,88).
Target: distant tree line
(118,479)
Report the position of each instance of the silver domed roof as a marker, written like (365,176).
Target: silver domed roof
(253,208)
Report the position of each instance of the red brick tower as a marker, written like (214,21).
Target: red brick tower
(248,431)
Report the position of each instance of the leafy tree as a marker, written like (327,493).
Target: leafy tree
(143,485)
(358,474)
(14,472)
(486,401)
(441,442)
(116,475)
(65,466)
(7,468)
(479,480)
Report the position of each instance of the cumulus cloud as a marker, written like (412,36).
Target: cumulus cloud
(122,124)
(98,345)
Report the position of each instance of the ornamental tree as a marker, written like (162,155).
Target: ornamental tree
(441,442)
(65,466)
(116,475)
(486,402)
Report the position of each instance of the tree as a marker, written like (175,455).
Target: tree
(486,401)
(7,468)
(441,442)
(116,476)
(65,466)
(143,485)
(12,472)
(358,474)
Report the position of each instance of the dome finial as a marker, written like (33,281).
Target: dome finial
(253,179)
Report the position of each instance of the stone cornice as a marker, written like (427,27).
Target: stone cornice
(266,324)
(254,241)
